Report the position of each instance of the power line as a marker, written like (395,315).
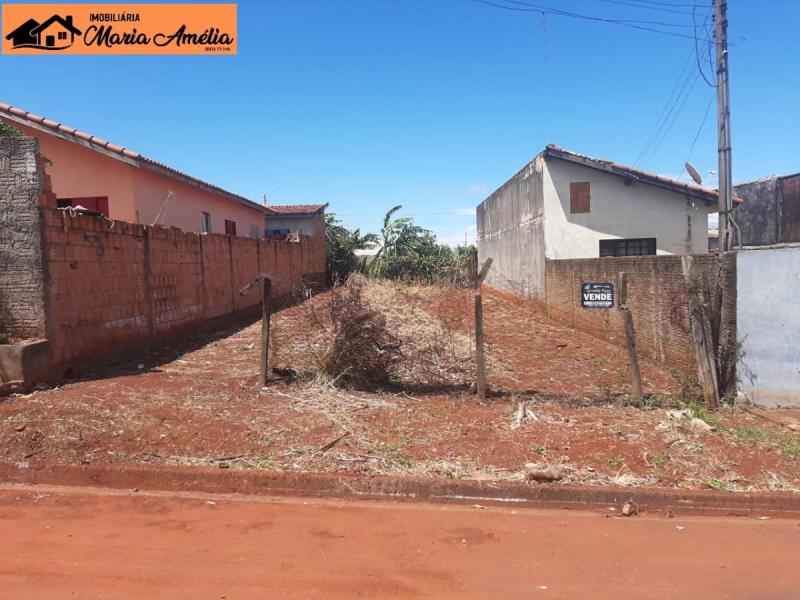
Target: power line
(697,135)
(675,115)
(697,49)
(537,8)
(633,24)
(635,4)
(671,101)
(676,4)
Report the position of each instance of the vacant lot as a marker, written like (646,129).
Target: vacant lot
(202,406)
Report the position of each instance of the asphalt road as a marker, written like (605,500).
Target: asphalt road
(86,543)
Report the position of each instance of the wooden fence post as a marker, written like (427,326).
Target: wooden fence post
(701,337)
(266,300)
(630,336)
(479,358)
(480,362)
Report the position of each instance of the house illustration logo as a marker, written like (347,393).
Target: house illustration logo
(56,33)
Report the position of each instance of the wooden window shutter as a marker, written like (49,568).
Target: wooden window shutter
(579,201)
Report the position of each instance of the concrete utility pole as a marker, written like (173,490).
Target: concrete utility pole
(723,125)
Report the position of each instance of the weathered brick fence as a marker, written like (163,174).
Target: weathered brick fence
(81,288)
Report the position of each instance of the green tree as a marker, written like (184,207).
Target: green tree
(341,244)
(408,251)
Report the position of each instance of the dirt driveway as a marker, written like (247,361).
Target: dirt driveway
(72,542)
(200,405)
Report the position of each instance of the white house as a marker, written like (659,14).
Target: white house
(567,205)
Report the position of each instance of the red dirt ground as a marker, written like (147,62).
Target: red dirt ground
(60,543)
(201,406)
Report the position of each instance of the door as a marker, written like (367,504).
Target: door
(50,41)
(790,213)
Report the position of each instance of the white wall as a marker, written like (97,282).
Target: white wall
(637,210)
(768,325)
(510,232)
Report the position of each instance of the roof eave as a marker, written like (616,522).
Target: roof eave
(63,135)
(139,162)
(708,197)
(167,172)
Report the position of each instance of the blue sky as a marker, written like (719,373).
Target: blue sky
(431,104)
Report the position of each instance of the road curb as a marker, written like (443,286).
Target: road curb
(367,487)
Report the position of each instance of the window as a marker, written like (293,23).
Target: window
(206,222)
(632,247)
(579,201)
(62,35)
(95,203)
(230,227)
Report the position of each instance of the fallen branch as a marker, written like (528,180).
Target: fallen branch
(333,442)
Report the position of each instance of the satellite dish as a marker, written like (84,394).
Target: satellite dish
(694,174)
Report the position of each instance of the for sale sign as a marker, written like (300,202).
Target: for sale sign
(597,295)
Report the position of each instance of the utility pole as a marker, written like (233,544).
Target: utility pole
(723,125)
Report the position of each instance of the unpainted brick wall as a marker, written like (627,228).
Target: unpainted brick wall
(657,300)
(112,290)
(22,187)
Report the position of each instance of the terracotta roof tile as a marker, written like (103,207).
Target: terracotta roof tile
(295,209)
(18,113)
(628,172)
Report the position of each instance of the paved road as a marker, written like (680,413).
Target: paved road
(79,543)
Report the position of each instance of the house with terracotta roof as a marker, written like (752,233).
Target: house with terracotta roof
(295,219)
(565,205)
(122,184)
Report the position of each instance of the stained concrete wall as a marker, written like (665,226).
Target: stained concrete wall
(510,231)
(768,325)
(21,260)
(758,217)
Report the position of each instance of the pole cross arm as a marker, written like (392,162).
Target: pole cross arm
(246,289)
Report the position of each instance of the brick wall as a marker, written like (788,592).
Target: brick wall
(21,275)
(94,290)
(657,299)
(113,289)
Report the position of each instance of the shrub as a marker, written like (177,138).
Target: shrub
(8,130)
(361,352)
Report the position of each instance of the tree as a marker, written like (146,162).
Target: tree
(408,251)
(341,244)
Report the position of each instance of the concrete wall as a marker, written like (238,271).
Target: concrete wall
(136,194)
(21,262)
(656,298)
(511,231)
(619,209)
(759,216)
(769,325)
